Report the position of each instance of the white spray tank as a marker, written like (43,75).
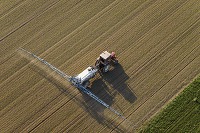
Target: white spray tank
(86,75)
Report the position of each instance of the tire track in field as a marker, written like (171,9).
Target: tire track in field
(15,120)
(3,55)
(27,21)
(48,26)
(19,39)
(6,11)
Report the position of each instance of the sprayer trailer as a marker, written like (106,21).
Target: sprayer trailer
(84,77)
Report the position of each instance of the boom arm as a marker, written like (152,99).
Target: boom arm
(70,79)
(49,65)
(89,93)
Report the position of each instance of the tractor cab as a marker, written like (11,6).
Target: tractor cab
(104,61)
(105,57)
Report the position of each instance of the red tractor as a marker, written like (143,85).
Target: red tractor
(105,60)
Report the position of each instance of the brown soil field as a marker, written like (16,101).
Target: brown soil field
(157,44)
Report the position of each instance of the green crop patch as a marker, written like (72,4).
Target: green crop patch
(181,115)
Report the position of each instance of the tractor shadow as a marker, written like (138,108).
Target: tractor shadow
(117,79)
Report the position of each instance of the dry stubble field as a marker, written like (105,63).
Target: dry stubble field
(157,44)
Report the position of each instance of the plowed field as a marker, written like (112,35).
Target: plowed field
(157,43)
